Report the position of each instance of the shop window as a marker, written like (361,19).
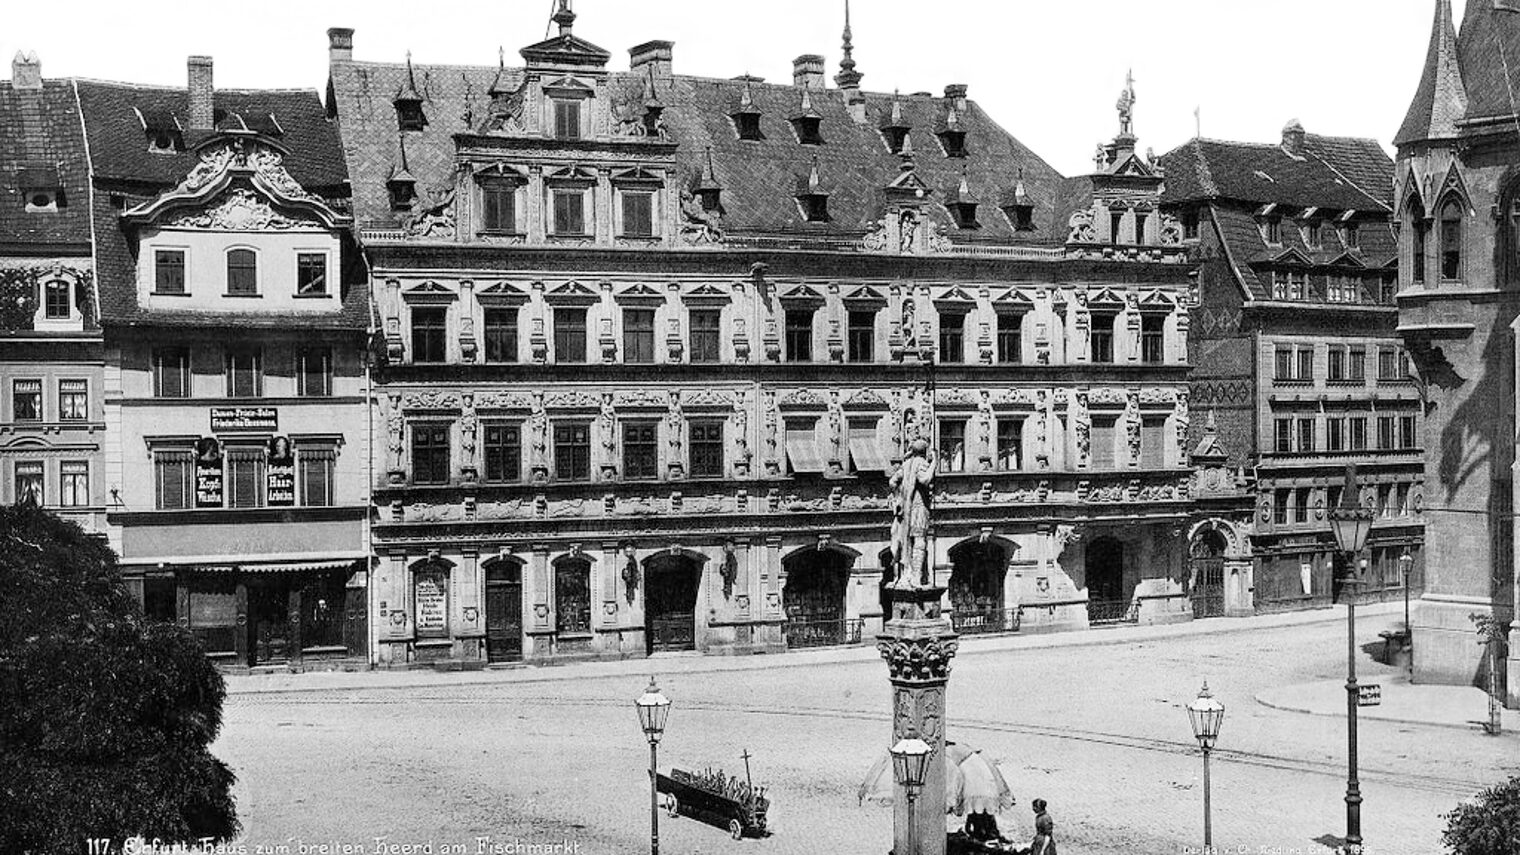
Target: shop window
(29,478)
(311,274)
(706,335)
(316,475)
(26,400)
(952,337)
(245,469)
(429,334)
(572,451)
(322,607)
(430,453)
(572,596)
(213,614)
(569,335)
(74,484)
(242,273)
(952,445)
(799,335)
(1010,338)
(73,400)
(174,480)
(503,453)
(171,372)
(706,449)
(638,336)
(501,335)
(430,599)
(245,373)
(640,451)
(169,271)
(862,335)
(314,372)
(160,599)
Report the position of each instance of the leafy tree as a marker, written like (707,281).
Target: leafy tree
(1490,825)
(107,717)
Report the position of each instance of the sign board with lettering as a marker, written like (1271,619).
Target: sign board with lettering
(208,473)
(1369,695)
(226,419)
(280,474)
(432,604)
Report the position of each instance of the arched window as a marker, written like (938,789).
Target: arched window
(242,272)
(1418,229)
(1451,240)
(55,300)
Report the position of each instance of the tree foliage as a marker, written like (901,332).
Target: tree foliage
(1489,825)
(108,717)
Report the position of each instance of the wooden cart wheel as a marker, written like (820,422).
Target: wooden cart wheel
(672,806)
(735,830)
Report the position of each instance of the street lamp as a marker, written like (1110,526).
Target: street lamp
(653,707)
(1406,563)
(1207,714)
(910,759)
(1350,522)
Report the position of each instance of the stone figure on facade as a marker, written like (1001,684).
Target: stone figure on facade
(909,327)
(771,461)
(1182,418)
(538,437)
(1081,225)
(1132,424)
(912,498)
(468,424)
(434,217)
(675,421)
(836,429)
(1042,429)
(608,426)
(395,428)
(742,454)
(1081,423)
(698,224)
(907,231)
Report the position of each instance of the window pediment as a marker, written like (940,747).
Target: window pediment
(1106,300)
(501,294)
(1013,299)
(706,294)
(802,295)
(639,176)
(865,296)
(641,294)
(429,292)
(571,176)
(572,293)
(569,87)
(500,173)
(1156,301)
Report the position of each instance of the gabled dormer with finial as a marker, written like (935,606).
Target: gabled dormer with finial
(408,102)
(962,204)
(895,129)
(745,115)
(1018,206)
(951,131)
(401,185)
(565,75)
(812,198)
(807,121)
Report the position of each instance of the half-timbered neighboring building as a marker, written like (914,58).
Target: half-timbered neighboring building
(653,342)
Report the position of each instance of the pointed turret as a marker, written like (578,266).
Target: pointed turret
(1441,99)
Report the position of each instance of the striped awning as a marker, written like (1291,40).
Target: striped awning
(802,451)
(866,451)
(276,567)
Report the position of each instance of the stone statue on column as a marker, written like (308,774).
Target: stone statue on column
(912,498)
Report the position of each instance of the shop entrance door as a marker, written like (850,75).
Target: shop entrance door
(670,603)
(269,621)
(503,612)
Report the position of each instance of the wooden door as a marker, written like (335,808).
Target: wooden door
(504,628)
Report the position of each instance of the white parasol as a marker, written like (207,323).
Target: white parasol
(973,783)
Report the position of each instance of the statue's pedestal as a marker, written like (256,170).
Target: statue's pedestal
(918,644)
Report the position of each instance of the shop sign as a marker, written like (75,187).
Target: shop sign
(432,604)
(208,473)
(280,474)
(225,419)
(1369,695)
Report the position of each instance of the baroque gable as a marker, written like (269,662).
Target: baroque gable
(240,184)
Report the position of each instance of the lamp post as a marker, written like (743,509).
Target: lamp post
(910,758)
(1406,564)
(1206,714)
(653,707)
(1350,522)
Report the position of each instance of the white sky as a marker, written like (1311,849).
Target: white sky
(1048,71)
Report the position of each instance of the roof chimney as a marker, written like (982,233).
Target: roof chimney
(202,116)
(340,44)
(656,55)
(1293,138)
(956,92)
(807,71)
(26,71)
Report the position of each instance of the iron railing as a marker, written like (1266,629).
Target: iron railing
(986,621)
(1106,612)
(826,632)
(1207,602)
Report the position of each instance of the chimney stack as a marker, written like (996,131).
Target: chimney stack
(202,114)
(807,71)
(26,71)
(956,94)
(656,55)
(340,44)
(1293,138)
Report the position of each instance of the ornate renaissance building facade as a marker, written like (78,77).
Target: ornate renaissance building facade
(653,343)
(1457,194)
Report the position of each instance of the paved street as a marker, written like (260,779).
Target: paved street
(1096,729)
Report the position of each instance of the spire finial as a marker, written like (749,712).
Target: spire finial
(1126,105)
(848,77)
(564,17)
(501,57)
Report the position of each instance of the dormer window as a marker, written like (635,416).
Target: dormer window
(953,141)
(161,142)
(1190,224)
(748,126)
(1314,235)
(57,300)
(964,214)
(1351,236)
(1272,230)
(409,116)
(808,130)
(403,191)
(1021,217)
(567,119)
(41,188)
(815,208)
(894,137)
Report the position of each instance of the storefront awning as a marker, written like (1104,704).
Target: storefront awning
(803,453)
(273,567)
(867,453)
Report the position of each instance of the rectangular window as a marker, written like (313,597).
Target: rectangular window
(56,302)
(501,335)
(1115,225)
(799,335)
(1306,364)
(1385,433)
(499,200)
(572,452)
(430,328)
(706,335)
(641,460)
(638,213)
(245,373)
(245,469)
(1335,434)
(862,343)
(569,335)
(430,453)
(311,273)
(503,453)
(1103,338)
(73,400)
(1357,365)
(1358,430)
(1274,231)
(1421,235)
(1335,365)
(638,336)
(1388,363)
(1153,443)
(169,271)
(316,474)
(572,597)
(1301,501)
(952,338)
(952,445)
(174,479)
(1152,338)
(29,475)
(1010,443)
(1282,501)
(242,273)
(314,372)
(1407,438)
(1010,338)
(1279,285)
(569,212)
(1102,442)
(1282,436)
(1315,235)
(1190,224)
(1351,235)
(706,449)
(26,400)
(1284,364)
(1306,435)
(567,120)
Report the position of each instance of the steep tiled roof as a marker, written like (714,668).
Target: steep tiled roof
(1343,173)
(758,177)
(1489,48)
(1252,257)
(40,136)
(1440,100)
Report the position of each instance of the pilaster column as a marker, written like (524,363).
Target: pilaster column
(605,595)
(770,578)
(539,619)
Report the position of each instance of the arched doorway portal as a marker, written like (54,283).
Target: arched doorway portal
(504,591)
(1206,556)
(813,597)
(976,586)
(1104,571)
(671,583)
